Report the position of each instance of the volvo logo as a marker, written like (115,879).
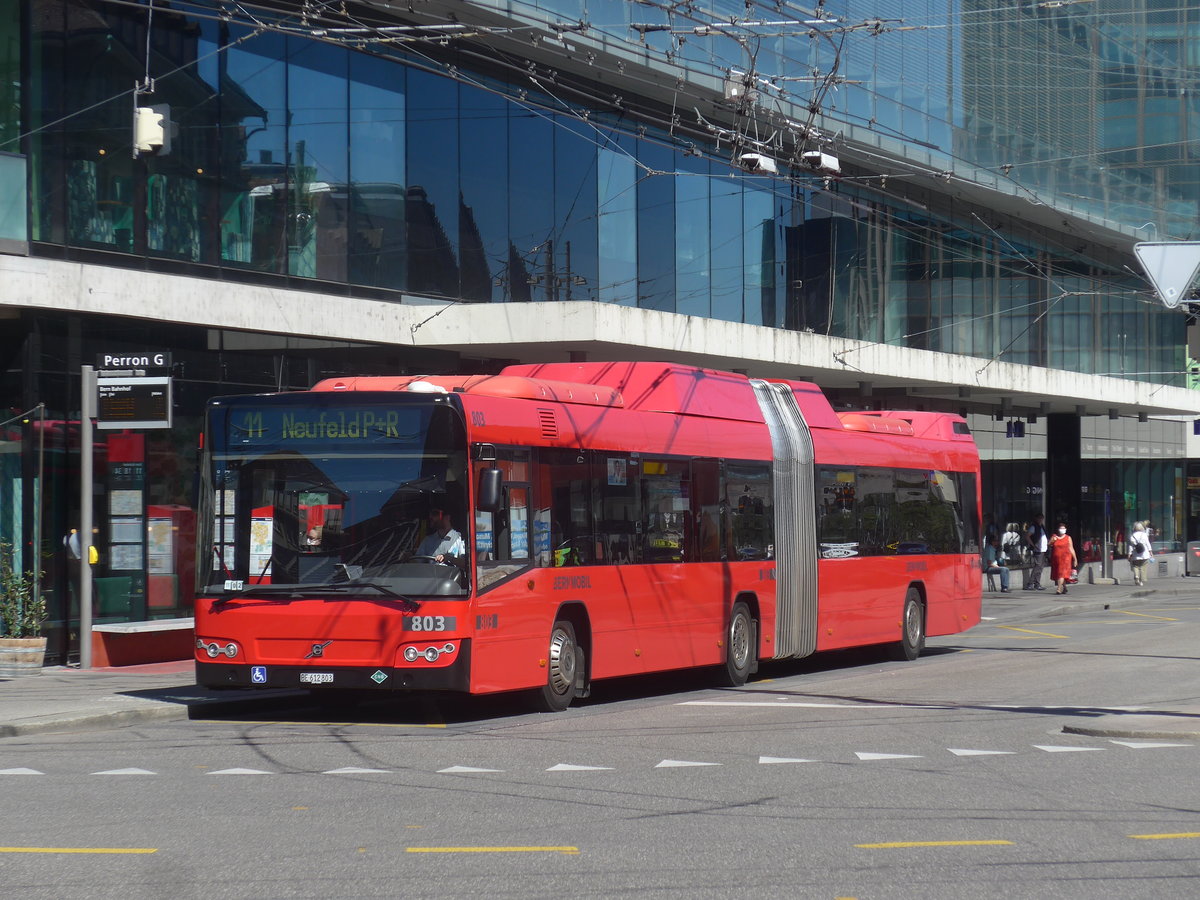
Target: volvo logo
(317,650)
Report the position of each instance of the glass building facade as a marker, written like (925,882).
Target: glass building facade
(597,165)
(433,173)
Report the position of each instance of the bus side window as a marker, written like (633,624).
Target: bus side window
(568,484)
(751,508)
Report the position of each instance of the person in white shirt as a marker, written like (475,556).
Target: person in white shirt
(1139,552)
(442,543)
(1038,545)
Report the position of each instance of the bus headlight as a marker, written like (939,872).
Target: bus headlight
(212,649)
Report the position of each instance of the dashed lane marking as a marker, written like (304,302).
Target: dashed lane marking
(357,724)
(572,851)
(1031,631)
(568,767)
(861,755)
(353,770)
(464,770)
(981,752)
(793,704)
(78,849)
(868,757)
(238,772)
(1166,837)
(892,845)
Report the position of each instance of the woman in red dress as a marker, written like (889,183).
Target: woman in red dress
(1062,558)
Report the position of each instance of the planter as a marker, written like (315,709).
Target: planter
(21,656)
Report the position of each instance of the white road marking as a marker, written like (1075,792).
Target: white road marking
(461,770)
(20,772)
(1146,745)
(126,772)
(799,705)
(567,767)
(980,752)
(351,770)
(238,772)
(1051,748)
(680,763)
(771,760)
(874,756)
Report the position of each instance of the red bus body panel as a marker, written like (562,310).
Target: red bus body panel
(646,617)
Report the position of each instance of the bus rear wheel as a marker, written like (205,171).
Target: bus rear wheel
(739,646)
(565,669)
(912,627)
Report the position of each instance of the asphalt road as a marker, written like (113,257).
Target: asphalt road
(845,776)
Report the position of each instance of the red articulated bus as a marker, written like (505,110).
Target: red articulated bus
(607,519)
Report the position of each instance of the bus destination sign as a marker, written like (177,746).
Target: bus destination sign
(141,402)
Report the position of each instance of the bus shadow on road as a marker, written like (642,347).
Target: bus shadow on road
(432,709)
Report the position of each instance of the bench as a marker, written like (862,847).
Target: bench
(135,643)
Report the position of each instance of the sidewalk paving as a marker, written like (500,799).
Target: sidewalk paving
(64,699)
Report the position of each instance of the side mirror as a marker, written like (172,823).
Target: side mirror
(488,496)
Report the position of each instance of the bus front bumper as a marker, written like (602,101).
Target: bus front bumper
(418,677)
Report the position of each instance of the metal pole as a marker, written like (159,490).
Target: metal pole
(37,509)
(87,409)
(1106,567)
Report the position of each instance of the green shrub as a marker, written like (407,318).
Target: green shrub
(21,614)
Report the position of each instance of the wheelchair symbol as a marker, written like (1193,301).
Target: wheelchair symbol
(258,674)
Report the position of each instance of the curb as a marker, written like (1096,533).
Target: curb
(160,711)
(1147,726)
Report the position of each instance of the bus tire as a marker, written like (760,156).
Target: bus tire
(912,627)
(564,669)
(739,646)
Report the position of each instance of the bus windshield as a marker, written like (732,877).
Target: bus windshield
(309,490)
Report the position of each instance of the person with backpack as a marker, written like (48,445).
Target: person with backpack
(1039,543)
(1140,552)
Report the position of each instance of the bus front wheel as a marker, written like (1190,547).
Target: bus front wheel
(912,627)
(564,666)
(739,646)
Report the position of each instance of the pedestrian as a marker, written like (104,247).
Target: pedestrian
(1012,543)
(994,562)
(1063,559)
(1036,538)
(989,527)
(1139,552)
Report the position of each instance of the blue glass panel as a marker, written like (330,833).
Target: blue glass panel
(575,157)
(616,193)
(693,263)
(484,214)
(10,76)
(318,138)
(377,251)
(12,198)
(181,186)
(759,252)
(656,228)
(533,252)
(433,187)
(254,152)
(726,238)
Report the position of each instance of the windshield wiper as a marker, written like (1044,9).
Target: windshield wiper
(299,590)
